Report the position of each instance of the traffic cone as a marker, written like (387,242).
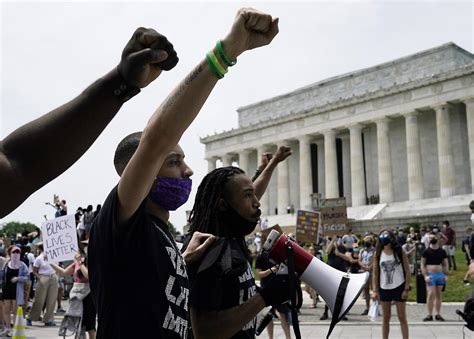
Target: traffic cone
(20,325)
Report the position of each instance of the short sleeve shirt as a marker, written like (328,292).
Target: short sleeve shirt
(214,290)
(43,267)
(137,276)
(434,256)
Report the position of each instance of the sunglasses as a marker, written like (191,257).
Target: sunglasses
(16,251)
(384,236)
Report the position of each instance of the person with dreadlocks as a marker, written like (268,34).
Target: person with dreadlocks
(138,277)
(223,297)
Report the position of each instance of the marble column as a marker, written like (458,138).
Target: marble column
(445,152)
(346,168)
(211,164)
(283,184)
(384,161)
(320,169)
(306,178)
(227,160)
(414,164)
(470,132)
(244,161)
(330,164)
(357,166)
(265,199)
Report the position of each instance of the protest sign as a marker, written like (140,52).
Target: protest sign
(334,216)
(307,224)
(60,239)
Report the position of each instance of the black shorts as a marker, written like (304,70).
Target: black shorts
(392,295)
(282,308)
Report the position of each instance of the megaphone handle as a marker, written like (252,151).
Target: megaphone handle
(341,292)
(292,287)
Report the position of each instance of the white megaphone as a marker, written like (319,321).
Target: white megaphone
(339,290)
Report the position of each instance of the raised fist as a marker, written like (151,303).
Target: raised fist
(145,56)
(251,29)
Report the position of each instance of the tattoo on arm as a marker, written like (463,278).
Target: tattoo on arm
(170,101)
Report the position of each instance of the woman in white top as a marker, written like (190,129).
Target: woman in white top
(391,281)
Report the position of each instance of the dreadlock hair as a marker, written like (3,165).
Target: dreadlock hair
(125,149)
(203,217)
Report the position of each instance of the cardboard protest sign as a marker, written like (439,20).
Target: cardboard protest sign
(307,225)
(60,239)
(334,216)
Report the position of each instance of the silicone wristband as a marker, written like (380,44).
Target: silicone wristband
(223,55)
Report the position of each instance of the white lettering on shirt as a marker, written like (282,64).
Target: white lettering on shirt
(176,324)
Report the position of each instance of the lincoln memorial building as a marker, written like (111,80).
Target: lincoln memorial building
(395,139)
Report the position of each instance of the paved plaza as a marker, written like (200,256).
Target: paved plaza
(357,327)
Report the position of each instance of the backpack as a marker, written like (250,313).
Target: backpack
(468,314)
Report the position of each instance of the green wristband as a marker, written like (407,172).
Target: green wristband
(213,68)
(216,63)
(223,55)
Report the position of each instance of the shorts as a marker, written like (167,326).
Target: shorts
(393,294)
(437,279)
(449,249)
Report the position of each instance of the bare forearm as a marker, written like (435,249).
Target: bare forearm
(29,155)
(261,183)
(229,321)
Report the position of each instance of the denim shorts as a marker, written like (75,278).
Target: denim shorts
(437,279)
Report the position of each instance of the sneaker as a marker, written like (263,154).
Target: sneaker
(439,317)
(366,311)
(49,324)
(466,282)
(3,330)
(428,318)
(344,318)
(324,316)
(60,310)
(29,322)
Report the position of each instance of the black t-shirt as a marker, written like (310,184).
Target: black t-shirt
(263,263)
(138,278)
(434,257)
(220,287)
(336,261)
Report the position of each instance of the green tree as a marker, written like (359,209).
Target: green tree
(12,228)
(173,230)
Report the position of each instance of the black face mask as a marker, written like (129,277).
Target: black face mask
(368,244)
(234,224)
(433,241)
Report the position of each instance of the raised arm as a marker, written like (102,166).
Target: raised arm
(26,160)
(251,29)
(261,182)
(64,272)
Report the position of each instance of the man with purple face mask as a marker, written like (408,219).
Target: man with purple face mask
(138,277)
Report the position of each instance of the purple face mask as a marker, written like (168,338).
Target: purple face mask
(170,193)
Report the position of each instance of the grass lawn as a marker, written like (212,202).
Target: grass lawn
(455,289)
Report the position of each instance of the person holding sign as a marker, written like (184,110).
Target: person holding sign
(46,290)
(13,277)
(80,274)
(138,277)
(26,160)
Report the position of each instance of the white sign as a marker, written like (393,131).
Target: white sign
(60,239)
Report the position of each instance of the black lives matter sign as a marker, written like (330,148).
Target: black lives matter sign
(60,239)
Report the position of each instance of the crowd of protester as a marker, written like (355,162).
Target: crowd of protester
(168,288)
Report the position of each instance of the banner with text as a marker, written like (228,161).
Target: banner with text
(334,216)
(60,239)
(307,225)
